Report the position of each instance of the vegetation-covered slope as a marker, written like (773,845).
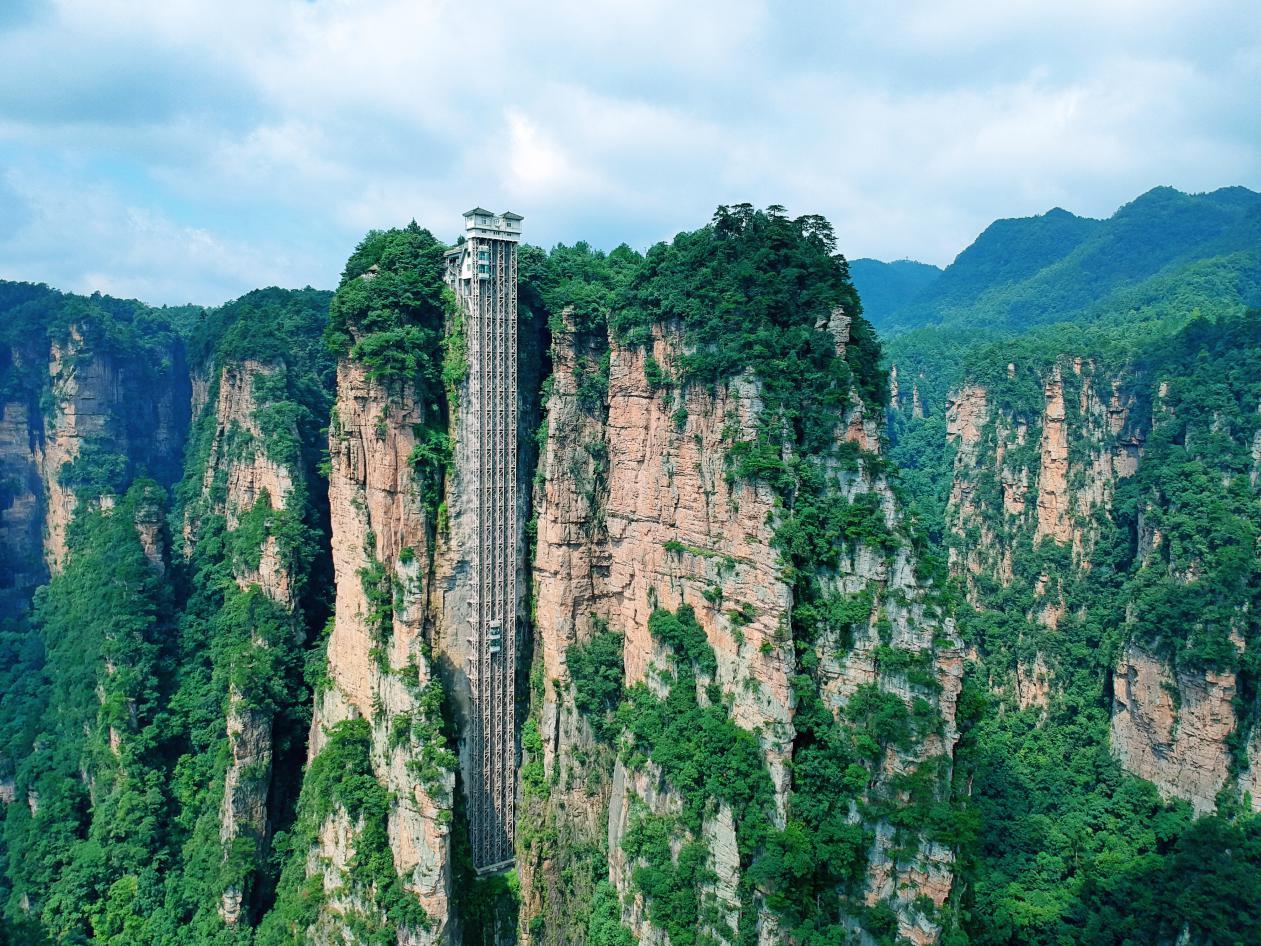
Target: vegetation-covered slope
(766,655)
(1153,556)
(1094,483)
(1022,273)
(887,287)
(140,651)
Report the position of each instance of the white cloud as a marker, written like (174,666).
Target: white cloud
(86,240)
(189,149)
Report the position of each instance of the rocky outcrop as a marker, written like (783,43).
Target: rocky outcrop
(638,511)
(1255,476)
(1053,497)
(243,477)
(379,659)
(1171,725)
(967,417)
(87,398)
(241,472)
(239,475)
(109,410)
(678,527)
(21,509)
(1033,683)
(243,812)
(927,872)
(1172,728)
(992,504)
(569,570)
(65,400)
(897,398)
(150,523)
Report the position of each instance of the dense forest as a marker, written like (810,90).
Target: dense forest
(829,637)
(1085,851)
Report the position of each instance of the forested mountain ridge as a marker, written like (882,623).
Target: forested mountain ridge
(887,287)
(1058,267)
(179,610)
(794,674)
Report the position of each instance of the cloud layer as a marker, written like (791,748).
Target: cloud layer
(183,150)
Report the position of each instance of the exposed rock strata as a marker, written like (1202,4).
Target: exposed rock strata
(136,415)
(1172,728)
(662,525)
(377,672)
(1065,494)
(239,474)
(1053,498)
(110,408)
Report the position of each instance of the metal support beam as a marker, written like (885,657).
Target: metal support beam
(483,273)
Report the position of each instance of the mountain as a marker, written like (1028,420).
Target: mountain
(808,653)
(1058,267)
(887,287)
(1093,482)
(1100,511)
(236,704)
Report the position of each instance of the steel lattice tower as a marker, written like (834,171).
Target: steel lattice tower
(483,273)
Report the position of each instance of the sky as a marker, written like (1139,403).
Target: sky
(190,150)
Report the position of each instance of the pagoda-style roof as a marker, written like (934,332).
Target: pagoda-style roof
(476,211)
(509,215)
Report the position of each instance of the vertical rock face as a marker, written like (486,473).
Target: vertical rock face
(912,875)
(240,473)
(1014,490)
(106,408)
(569,570)
(1053,498)
(1014,482)
(125,416)
(570,562)
(379,658)
(997,451)
(150,527)
(677,528)
(637,511)
(966,417)
(85,395)
(241,477)
(1173,722)
(1173,728)
(21,514)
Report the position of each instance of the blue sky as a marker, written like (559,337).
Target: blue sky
(190,150)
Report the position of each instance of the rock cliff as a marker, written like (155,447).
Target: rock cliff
(106,419)
(1034,496)
(1173,727)
(638,512)
(380,657)
(241,479)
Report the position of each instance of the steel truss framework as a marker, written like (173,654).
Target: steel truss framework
(490,307)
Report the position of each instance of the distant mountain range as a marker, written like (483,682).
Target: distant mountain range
(1059,267)
(886,287)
